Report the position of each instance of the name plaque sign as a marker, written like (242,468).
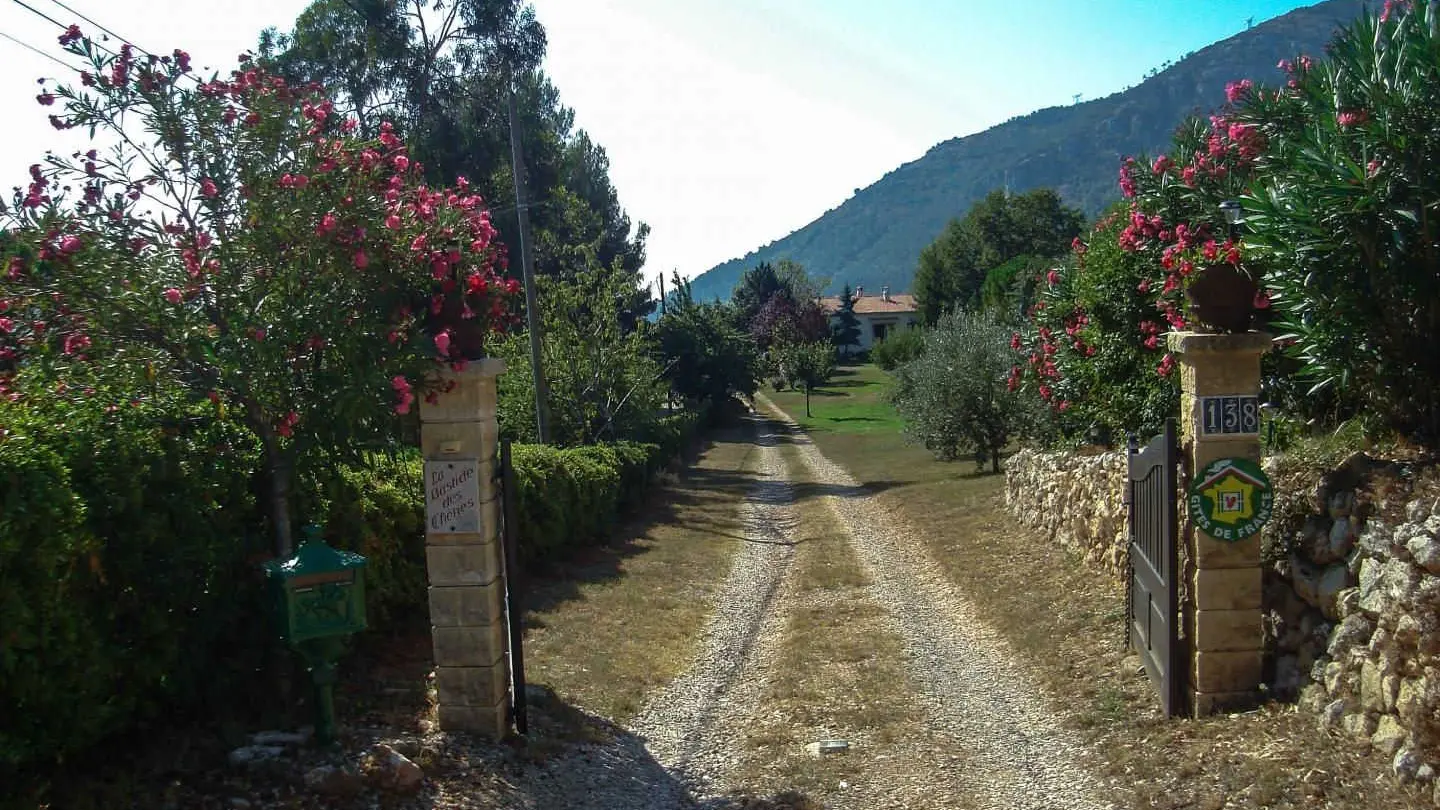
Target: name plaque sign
(452,496)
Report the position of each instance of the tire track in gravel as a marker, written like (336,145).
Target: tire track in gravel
(690,725)
(1021,758)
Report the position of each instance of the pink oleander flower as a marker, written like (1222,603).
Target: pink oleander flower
(1351,118)
(173,295)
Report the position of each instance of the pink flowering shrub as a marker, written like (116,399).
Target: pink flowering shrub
(1095,343)
(1344,211)
(248,248)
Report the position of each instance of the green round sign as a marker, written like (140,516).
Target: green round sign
(1231,499)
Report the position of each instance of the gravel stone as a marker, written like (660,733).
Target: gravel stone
(976,692)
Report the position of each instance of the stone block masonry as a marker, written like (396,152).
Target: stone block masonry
(459,433)
(1224,629)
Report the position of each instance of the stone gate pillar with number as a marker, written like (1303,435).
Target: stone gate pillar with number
(459,437)
(1225,499)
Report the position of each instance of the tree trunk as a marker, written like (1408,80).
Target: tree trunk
(277,469)
(995,460)
(807,402)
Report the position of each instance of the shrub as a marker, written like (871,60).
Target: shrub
(1095,345)
(574,497)
(898,348)
(125,533)
(1344,207)
(238,240)
(376,507)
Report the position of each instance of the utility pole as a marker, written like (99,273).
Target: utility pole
(662,294)
(527,273)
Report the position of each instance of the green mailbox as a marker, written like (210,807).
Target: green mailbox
(319,592)
(318,597)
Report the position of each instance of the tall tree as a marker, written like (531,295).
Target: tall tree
(437,69)
(951,271)
(754,291)
(845,332)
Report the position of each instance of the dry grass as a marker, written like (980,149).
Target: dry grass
(605,630)
(1067,622)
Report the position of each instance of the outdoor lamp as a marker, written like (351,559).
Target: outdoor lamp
(1234,216)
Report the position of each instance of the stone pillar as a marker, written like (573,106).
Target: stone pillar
(1224,630)
(459,437)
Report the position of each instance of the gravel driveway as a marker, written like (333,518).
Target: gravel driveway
(689,725)
(1018,755)
(989,740)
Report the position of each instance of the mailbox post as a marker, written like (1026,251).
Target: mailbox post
(319,599)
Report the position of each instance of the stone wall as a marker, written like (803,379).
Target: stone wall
(1075,500)
(1352,594)
(1352,583)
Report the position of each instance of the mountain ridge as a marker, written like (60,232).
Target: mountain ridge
(874,237)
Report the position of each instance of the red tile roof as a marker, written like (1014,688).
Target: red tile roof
(898,303)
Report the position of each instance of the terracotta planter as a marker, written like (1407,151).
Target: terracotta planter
(1222,299)
(467,335)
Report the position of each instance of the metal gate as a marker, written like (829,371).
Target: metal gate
(1152,587)
(514,586)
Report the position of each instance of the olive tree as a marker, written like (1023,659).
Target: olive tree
(955,397)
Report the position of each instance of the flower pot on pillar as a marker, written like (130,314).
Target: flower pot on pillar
(466,335)
(1222,298)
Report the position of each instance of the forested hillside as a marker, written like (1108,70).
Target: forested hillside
(875,237)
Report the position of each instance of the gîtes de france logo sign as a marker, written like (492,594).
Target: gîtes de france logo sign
(1231,499)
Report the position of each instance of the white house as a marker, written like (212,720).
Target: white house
(878,315)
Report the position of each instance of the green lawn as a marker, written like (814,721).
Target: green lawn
(856,400)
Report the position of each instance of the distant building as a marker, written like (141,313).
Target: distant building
(878,315)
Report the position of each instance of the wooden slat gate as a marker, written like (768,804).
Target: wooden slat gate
(1152,587)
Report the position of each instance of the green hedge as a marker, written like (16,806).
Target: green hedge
(128,546)
(125,588)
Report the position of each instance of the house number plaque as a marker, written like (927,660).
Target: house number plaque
(1230,416)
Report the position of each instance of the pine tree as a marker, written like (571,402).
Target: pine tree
(845,331)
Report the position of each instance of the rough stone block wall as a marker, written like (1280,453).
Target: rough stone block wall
(1075,500)
(1352,584)
(1353,605)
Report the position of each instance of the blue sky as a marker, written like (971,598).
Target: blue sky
(730,123)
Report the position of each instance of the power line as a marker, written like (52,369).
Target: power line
(64,27)
(38,13)
(98,25)
(27,46)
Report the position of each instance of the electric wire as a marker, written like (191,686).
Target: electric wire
(27,46)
